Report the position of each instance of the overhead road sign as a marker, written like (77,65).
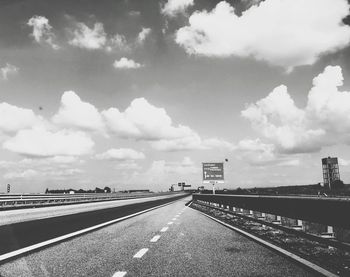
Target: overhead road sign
(213,172)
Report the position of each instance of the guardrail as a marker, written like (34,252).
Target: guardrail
(29,200)
(324,210)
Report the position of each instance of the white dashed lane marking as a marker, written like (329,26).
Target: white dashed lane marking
(174,218)
(169,223)
(141,253)
(119,274)
(164,229)
(155,238)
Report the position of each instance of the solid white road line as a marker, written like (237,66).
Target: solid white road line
(27,249)
(119,274)
(277,249)
(164,229)
(141,253)
(155,238)
(169,223)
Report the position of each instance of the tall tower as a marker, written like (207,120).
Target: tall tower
(330,169)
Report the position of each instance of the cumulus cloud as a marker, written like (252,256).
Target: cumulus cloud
(285,33)
(257,153)
(173,7)
(190,142)
(39,142)
(145,32)
(125,63)
(47,173)
(75,113)
(97,39)
(324,121)
(89,38)
(162,171)
(118,42)
(8,70)
(121,154)
(42,31)
(142,120)
(13,118)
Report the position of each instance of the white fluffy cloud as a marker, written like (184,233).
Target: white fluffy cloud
(89,38)
(174,7)
(42,31)
(39,142)
(118,42)
(8,70)
(13,118)
(324,121)
(257,153)
(52,173)
(75,113)
(121,154)
(191,142)
(163,172)
(125,63)
(141,37)
(142,120)
(286,33)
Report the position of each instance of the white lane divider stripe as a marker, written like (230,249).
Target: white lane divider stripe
(174,218)
(39,245)
(141,252)
(169,223)
(155,238)
(119,274)
(164,229)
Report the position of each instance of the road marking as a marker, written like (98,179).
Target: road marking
(119,274)
(174,218)
(39,245)
(155,238)
(164,229)
(282,251)
(141,253)
(169,223)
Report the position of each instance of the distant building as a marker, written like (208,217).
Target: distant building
(330,169)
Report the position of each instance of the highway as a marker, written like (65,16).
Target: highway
(173,240)
(22,215)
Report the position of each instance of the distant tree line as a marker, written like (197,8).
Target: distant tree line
(96,190)
(338,188)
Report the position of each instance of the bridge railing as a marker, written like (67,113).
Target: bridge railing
(330,211)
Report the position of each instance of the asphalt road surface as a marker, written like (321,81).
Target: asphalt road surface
(26,233)
(170,241)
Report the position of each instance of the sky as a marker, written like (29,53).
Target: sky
(138,94)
